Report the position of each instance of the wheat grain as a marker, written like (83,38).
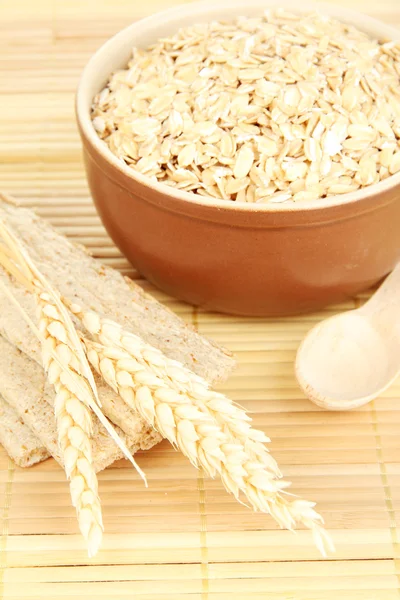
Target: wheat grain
(297,89)
(206,426)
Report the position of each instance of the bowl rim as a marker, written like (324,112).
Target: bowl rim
(197,8)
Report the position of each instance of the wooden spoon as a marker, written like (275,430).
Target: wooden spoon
(347,360)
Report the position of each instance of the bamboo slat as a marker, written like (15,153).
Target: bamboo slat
(184,538)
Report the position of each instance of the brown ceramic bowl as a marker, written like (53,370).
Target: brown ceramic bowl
(231,257)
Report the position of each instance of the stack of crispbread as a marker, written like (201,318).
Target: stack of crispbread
(27,423)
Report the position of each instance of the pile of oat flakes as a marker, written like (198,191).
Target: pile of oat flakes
(270,109)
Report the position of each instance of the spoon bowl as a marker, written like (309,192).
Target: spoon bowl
(349,359)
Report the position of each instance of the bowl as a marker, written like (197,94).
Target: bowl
(246,259)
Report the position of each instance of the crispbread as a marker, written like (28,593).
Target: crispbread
(23,385)
(83,279)
(19,442)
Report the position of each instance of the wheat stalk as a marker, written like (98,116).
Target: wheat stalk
(206,426)
(68,370)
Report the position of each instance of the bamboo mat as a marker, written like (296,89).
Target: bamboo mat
(184,538)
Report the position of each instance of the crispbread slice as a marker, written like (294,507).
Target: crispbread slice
(20,443)
(84,280)
(23,386)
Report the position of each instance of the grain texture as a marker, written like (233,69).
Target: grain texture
(18,440)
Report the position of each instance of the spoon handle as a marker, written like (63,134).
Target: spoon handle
(387,297)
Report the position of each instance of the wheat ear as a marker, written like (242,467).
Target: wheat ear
(74,429)
(68,370)
(205,426)
(232,417)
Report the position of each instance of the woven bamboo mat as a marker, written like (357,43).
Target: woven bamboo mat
(185,538)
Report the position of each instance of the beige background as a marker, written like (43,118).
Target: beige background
(184,539)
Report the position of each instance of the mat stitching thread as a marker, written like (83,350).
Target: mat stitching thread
(203,512)
(394,535)
(5,524)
